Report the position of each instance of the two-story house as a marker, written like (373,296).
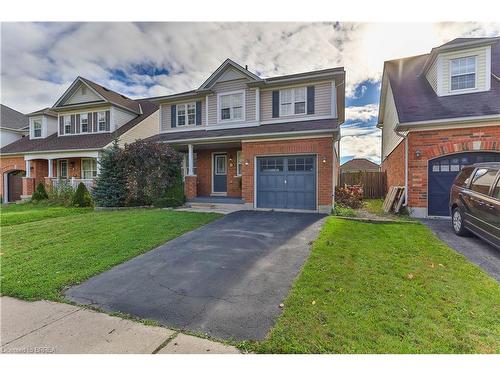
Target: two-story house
(65,141)
(266,143)
(439,112)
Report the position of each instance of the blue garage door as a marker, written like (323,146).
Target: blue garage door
(286,182)
(442,172)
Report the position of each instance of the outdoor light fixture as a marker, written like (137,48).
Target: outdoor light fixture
(418,153)
(324,159)
(247,162)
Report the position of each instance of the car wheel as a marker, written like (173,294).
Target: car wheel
(457,222)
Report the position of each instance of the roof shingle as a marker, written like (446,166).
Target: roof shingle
(12,119)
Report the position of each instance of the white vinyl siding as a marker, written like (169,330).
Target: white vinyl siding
(322,100)
(120,117)
(389,137)
(145,129)
(166,116)
(85,96)
(432,76)
(231,86)
(482,70)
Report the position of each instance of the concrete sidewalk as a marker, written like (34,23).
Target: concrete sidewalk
(51,327)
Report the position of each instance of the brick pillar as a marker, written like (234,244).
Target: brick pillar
(190,187)
(28,186)
(48,182)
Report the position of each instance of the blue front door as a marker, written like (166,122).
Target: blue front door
(220,174)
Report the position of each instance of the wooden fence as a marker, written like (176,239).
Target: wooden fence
(374,183)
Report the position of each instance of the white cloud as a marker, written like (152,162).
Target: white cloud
(40,54)
(361,143)
(362,113)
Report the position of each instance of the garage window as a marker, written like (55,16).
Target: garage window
(271,165)
(300,164)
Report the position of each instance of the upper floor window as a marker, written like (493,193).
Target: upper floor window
(186,114)
(84,123)
(101,121)
(463,73)
(67,124)
(37,129)
(231,106)
(293,101)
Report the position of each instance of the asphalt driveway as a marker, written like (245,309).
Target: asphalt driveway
(476,250)
(225,279)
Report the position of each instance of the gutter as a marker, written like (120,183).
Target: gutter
(448,121)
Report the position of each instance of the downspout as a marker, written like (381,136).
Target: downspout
(405,137)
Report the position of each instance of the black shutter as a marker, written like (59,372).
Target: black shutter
(72,124)
(108,118)
(310,100)
(89,120)
(198,113)
(95,122)
(61,124)
(276,104)
(173,114)
(77,124)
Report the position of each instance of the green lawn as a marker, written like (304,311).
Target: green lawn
(386,288)
(14,214)
(41,258)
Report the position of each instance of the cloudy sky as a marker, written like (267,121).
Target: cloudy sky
(40,60)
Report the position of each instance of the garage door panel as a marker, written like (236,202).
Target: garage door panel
(442,172)
(286,182)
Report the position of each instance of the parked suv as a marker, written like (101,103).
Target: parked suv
(475,202)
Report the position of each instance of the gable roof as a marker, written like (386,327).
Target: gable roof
(12,119)
(416,101)
(106,94)
(359,164)
(44,111)
(222,68)
(92,141)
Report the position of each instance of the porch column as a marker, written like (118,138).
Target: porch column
(28,168)
(98,164)
(190,160)
(51,172)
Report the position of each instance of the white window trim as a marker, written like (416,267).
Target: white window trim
(219,95)
(64,122)
(185,115)
(239,163)
(81,167)
(293,114)
(456,75)
(80,113)
(33,122)
(98,122)
(86,114)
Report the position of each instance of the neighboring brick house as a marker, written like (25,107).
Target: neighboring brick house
(438,113)
(265,143)
(65,141)
(359,165)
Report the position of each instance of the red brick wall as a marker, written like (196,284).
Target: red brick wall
(320,146)
(435,143)
(204,173)
(190,187)
(394,166)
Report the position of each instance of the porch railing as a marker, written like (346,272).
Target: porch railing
(73,182)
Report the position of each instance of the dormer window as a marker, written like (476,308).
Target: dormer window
(463,73)
(84,123)
(231,106)
(37,129)
(67,124)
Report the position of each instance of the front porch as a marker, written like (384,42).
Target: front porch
(55,170)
